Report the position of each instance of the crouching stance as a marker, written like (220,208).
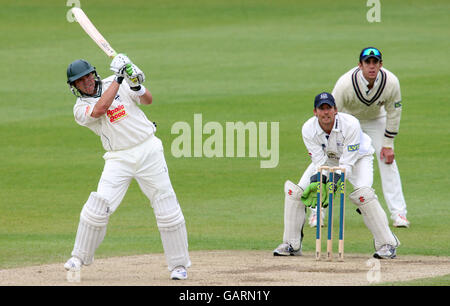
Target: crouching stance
(336,140)
(110,109)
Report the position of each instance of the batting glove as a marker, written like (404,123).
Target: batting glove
(134,76)
(119,63)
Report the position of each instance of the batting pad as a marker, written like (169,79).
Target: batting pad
(294,215)
(172,228)
(374,217)
(92,228)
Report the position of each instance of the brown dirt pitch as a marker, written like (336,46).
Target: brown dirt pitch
(233,268)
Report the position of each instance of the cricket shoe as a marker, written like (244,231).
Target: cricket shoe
(285,249)
(312,220)
(179,273)
(386,252)
(73,264)
(400,221)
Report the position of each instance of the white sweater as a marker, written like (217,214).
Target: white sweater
(383,100)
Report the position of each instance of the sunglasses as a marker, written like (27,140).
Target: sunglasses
(371,51)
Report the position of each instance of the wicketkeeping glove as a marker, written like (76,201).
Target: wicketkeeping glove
(333,186)
(309,196)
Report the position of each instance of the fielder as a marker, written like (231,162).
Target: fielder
(110,109)
(336,140)
(372,94)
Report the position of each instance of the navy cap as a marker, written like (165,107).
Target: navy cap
(324,98)
(368,53)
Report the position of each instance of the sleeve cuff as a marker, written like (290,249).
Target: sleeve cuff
(388,142)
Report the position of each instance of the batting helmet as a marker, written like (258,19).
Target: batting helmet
(78,69)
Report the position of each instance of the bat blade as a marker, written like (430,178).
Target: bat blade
(92,31)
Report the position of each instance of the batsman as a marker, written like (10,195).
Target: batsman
(335,139)
(110,108)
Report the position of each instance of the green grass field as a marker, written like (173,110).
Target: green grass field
(249,61)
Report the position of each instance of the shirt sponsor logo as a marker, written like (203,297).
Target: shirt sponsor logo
(352,148)
(398,104)
(116,114)
(332,155)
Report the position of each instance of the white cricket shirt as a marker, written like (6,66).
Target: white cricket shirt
(352,96)
(123,126)
(343,147)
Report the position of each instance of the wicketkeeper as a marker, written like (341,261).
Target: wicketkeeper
(110,109)
(336,140)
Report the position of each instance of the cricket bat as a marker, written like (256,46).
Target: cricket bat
(92,31)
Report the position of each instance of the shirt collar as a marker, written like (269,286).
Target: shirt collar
(365,83)
(337,123)
(336,127)
(319,129)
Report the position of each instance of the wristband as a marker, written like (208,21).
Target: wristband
(139,90)
(119,79)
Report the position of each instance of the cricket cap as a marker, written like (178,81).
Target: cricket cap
(324,98)
(370,52)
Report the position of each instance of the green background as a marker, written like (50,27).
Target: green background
(249,61)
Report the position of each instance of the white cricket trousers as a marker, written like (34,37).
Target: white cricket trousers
(389,173)
(146,164)
(362,174)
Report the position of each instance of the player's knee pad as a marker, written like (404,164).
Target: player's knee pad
(168,212)
(362,196)
(96,211)
(292,190)
(92,227)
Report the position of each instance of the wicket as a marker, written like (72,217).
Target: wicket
(331,191)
